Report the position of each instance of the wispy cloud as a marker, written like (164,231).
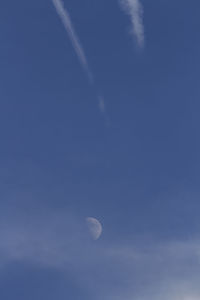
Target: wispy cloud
(65,17)
(135,10)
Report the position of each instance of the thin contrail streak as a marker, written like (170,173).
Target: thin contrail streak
(66,20)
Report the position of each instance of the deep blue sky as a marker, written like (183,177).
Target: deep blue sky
(59,160)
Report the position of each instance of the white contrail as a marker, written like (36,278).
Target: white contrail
(65,18)
(135,10)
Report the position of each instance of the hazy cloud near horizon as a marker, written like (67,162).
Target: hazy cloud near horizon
(61,241)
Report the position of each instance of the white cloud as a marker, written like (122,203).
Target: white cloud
(65,17)
(135,10)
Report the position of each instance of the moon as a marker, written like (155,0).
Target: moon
(95,228)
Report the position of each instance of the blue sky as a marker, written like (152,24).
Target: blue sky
(99,117)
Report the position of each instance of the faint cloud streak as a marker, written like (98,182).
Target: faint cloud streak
(102,108)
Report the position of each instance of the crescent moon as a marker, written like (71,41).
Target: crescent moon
(95,228)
